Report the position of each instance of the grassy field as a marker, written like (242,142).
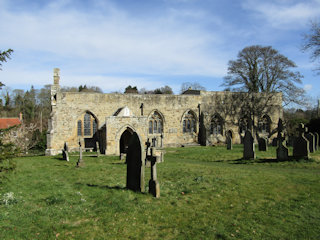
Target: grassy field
(206,193)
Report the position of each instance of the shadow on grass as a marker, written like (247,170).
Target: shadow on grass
(269,160)
(108,187)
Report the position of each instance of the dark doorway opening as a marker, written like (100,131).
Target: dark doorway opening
(124,140)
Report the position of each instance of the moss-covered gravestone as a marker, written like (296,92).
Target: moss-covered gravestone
(135,164)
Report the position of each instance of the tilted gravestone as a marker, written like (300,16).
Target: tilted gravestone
(301,144)
(135,164)
(263,144)
(65,154)
(248,146)
(316,138)
(229,142)
(282,150)
(310,137)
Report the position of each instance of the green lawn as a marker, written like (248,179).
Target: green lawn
(206,193)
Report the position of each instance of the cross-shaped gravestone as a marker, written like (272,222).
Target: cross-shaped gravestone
(301,144)
(154,186)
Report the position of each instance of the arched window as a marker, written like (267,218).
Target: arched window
(88,126)
(189,123)
(150,126)
(243,124)
(216,126)
(79,128)
(264,124)
(155,123)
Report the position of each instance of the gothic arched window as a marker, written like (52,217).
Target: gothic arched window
(243,124)
(216,126)
(264,124)
(88,126)
(189,123)
(79,128)
(155,123)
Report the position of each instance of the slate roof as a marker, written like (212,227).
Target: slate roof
(9,122)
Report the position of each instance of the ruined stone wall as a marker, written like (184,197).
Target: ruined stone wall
(69,107)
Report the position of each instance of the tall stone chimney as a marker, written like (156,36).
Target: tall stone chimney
(56,76)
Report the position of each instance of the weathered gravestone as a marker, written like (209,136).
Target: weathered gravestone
(316,138)
(65,150)
(248,146)
(262,144)
(154,186)
(310,137)
(98,149)
(282,150)
(80,161)
(135,164)
(229,142)
(202,132)
(301,144)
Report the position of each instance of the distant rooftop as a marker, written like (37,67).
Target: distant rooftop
(9,122)
(191,91)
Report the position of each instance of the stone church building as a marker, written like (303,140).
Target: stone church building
(171,120)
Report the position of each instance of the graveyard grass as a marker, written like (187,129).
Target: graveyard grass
(206,193)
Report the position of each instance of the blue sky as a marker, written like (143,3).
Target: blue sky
(147,43)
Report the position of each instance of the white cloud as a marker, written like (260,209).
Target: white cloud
(285,14)
(121,43)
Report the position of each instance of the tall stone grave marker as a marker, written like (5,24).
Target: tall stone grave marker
(135,164)
(316,137)
(154,186)
(65,154)
(263,144)
(229,142)
(282,150)
(80,161)
(310,137)
(248,146)
(301,144)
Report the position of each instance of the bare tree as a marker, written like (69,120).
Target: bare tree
(264,69)
(193,85)
(312,43)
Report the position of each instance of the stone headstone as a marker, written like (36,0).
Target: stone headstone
(310,137)
(274,142)
(229,142)
(80,161)
(316,138)
(154,186)
(263,144)
(282,150)
(248,146)
(135,164)
(301,144)
(98,149)
(65,154)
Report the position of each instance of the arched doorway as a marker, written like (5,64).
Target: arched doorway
(124,140)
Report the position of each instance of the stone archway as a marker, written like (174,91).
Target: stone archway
(124,140)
